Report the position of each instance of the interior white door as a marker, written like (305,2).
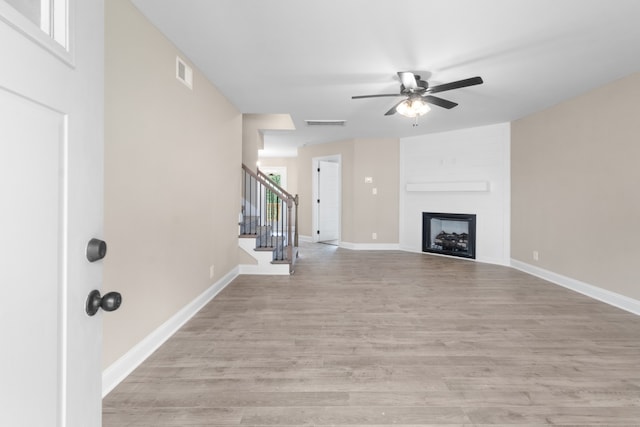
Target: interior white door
(329,201)
(51,173)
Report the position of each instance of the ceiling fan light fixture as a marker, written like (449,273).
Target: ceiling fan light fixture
(413,107)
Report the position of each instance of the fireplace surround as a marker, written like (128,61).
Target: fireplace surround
(449,234)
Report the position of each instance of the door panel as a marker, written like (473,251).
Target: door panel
(329,206)
(31,250)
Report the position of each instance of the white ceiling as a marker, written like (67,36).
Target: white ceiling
(307,58)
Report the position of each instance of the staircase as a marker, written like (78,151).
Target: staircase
(268,226)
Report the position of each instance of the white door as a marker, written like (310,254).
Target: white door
(328,201)
(51,171)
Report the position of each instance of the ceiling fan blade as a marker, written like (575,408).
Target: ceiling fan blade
(392,111)
(456,85)
(408,80)
(376,96)
(439,102)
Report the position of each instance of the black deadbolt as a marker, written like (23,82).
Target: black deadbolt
(96,249)
(109,302)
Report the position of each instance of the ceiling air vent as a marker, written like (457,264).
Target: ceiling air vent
(184,73)
(326,122)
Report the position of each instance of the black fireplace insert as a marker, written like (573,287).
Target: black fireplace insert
(449,234)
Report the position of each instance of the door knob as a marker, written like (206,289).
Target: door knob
(109,302)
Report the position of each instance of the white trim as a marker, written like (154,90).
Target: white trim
(480,260)
(262,269)
(121,368)
(302,238)
(493,261)
(620,301)
(370,246)
(33,32)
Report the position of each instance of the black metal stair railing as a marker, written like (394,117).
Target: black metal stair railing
(270,214)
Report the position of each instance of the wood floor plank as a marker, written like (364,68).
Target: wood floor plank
(370,338)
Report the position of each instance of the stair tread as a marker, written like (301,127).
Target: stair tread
(265,248)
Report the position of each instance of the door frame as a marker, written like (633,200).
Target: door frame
(315,162)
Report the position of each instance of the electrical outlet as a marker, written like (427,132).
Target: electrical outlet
(536,256)
(368,179)
(211,271)
(374,191)
(374,236)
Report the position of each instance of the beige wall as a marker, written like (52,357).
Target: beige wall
(575,179)
(380,160)
(167,151)
(252,136)
(362,212)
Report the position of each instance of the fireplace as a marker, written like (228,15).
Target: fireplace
(449,234)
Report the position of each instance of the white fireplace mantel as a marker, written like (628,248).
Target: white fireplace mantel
(449,186)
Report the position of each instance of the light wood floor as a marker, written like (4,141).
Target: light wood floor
(364,338)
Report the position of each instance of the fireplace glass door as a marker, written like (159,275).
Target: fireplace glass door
(449,234)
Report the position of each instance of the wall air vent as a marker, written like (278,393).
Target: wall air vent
(184,73)
(325,122)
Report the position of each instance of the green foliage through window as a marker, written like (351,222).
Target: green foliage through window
(273,202)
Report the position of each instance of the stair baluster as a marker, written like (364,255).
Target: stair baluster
(265,218)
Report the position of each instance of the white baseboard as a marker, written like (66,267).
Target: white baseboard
(265,269)
(494,261)
(620,301)
(370,246)
(121,368)
(491,261)
(359,246)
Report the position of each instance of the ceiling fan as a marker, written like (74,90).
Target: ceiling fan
(417,93)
